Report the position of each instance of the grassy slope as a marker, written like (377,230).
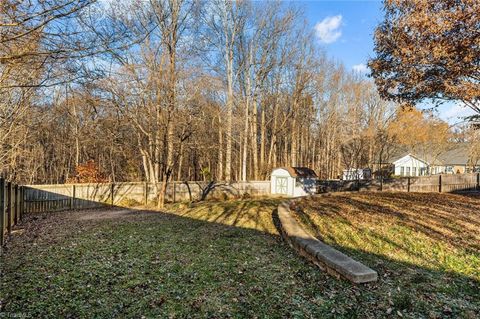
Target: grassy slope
(214,259)
(160,265)
(426,245)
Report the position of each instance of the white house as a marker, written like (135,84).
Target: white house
(410,165)
(293,181)
(457,160)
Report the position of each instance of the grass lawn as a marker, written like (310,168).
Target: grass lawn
(427,246)
(212,259)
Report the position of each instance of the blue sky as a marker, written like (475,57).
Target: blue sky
(344,28)
(355,22)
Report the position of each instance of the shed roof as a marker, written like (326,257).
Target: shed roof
(298,171)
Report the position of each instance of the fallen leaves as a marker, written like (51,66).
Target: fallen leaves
(161,265)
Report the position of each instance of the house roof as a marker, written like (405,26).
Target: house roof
(458,155)
(411,155)
(298,171)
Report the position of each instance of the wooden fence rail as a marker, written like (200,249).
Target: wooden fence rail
(47,198)
(11,207)
(16,200)
(444,183)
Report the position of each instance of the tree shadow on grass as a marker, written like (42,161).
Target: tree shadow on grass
(250,213)
(407,274)
(433,222)
(159,264)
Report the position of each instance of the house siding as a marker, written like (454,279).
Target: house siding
(410,166)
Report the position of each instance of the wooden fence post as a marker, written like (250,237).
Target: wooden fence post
(478,181)
(408,184)
(174,191)
(19,200)
(2,212)
(9,207)
(112,193)
(72,199)
(440,183)
(15,205)
(20,211)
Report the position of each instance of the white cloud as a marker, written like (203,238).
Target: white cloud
(328,30)
(360,68)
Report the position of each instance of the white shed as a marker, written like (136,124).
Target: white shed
(293,181)
(354,174)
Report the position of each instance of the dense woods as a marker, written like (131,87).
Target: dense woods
(178,90)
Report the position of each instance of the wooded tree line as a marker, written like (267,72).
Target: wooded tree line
(164,90)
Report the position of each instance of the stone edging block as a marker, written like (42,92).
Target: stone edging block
(324,256)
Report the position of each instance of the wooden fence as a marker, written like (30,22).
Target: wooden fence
(47,198)
(16,200)
(448,183)
(11,207)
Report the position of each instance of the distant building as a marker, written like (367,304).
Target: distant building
(458,161)
(454,161)
(293,181)
(354,174)
(410,165)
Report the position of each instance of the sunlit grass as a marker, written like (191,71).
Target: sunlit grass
(152,264)
(225,259)
(247,213)
(429,242)
(427,233)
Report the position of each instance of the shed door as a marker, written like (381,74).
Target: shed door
(281,185)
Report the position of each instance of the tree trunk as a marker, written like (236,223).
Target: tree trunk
(220,150)
(171,43)
(255,138)
(294,150)
(245,141)
(180,163)
(228,154)
(262,143)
